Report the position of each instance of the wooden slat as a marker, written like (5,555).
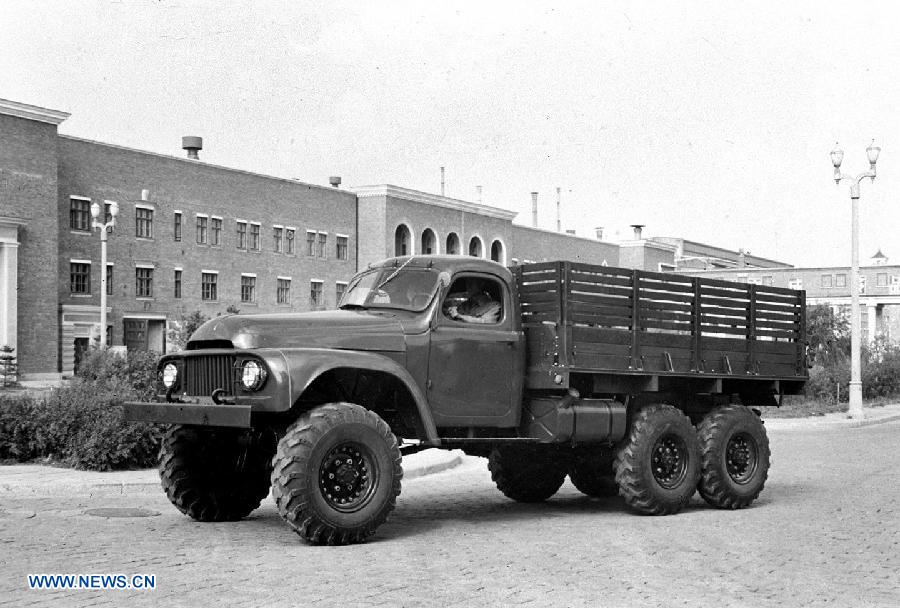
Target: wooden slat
(775,333)
(604,289)
(537,266)
(548,287)
(599,279)
(601,321)
(778,325)
(742,294)
(767,346)
(540,296)
(540,307)
(601,335)
(673,341)
(593,309)
(721,310)
(665,286)
(771,307)
(724,302)
(666,306)
(683,327)
(579,267)
(715,329)
(781,298)
(531,277)
(660,315)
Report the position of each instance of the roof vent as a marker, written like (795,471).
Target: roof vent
(638,228)
(193,145)
(335,181)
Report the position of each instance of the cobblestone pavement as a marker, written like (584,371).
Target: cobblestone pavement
(826,532)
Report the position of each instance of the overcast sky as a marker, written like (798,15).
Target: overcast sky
(710,121)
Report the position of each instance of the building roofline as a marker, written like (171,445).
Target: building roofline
(202,163)
(436,200)
(566,234)
(30,112)
(788,269)
(747,256)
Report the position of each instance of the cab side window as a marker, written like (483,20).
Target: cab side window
(474,300)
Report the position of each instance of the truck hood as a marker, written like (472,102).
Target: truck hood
(341,329)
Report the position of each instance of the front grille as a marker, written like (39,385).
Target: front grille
(206,373)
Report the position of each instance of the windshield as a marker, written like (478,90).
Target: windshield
(409,289)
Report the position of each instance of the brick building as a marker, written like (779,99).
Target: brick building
(193,236)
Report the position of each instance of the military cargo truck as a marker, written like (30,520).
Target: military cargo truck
(633,383)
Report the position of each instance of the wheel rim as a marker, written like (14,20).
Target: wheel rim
(348,477)
(669,461)
(741,457)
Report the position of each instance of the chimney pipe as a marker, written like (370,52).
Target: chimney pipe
(534,209)
(335,181)
(478,189)
(193,145)
(558,222)
(570,231)
(599,232)
(442,181)
(637,231)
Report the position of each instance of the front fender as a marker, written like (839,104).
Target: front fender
(304,365)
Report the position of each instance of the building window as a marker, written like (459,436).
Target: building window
(80,214)
(339,290)
(322,244)
(862,284)
(881,279)
(289,241)
(452,244)
(209,286)
(429,242)
(283,292)
(497,253)
(109,280)
(310,243)
(177,228)
(475,247)
(316,298)
(80,277)
(402,241)
(202,229)
(768,280)
(178,284)
(241,235)
(215,231)
(143,282)
(248,288)
(342,247)
(827,282)
(254,237)
(143,223)
(278,238)
(840,280)
(795,283)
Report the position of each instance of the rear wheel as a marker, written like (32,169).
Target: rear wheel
(734,455)
(658,466)
(526,474)
(592,472)
(337,474)
(215,474)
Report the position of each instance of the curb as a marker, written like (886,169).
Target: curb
(849,423)
(429,463)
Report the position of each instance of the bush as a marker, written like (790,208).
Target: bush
(83,425)
(881,370)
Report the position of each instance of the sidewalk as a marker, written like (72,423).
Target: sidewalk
(39,480)
(871,415)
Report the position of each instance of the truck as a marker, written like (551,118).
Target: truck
(640,384)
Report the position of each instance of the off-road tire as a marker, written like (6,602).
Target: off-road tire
(658,465)
(527,474)
(734,457)
(215,474)
(592,472)
(345,445)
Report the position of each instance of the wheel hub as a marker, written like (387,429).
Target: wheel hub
(346,477)
(741,457)
(669,461)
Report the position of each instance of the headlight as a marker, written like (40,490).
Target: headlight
(253,375)
(170,375)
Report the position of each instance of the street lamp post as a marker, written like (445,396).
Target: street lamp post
(855,409)
(104,227)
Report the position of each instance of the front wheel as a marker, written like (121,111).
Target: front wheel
(658,466)
(337,474)
(735,457)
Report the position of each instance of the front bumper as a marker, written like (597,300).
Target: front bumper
(189,413)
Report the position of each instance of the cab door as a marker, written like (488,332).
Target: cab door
(475,370)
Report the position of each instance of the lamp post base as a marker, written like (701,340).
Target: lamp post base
(856,407)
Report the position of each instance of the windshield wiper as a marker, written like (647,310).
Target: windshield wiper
(395,273)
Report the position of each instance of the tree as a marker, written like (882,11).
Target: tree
(828,335)
(184,327)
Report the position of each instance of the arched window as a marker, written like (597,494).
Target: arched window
(497,253)
(452,244)
(402,241)
(429,242)
(475,248)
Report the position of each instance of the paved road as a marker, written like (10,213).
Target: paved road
(826,532)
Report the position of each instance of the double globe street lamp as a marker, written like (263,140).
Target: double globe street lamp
(105,228)
(855,409)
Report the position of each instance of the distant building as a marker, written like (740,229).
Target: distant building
(879,284)
(194,236)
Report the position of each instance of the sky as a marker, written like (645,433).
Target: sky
(711,121)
